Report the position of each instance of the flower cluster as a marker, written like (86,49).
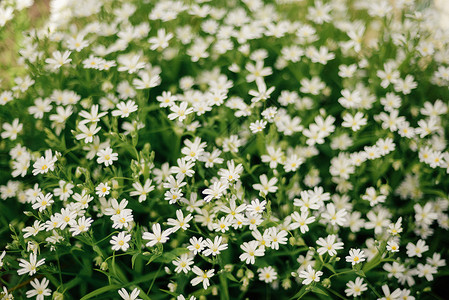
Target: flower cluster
(182,147)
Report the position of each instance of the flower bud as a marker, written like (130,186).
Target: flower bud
(214,291)
(107,86)
(286,284)
(229,267)
(58,296)
(240,273)
(104,266)
(327,283)
(98,260)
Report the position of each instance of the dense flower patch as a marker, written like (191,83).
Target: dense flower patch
(227,149)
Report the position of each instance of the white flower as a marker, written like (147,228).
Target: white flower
(106,156)
(356,288)
(91,117)
(261,94)
(310,275)
(354,122)
(267,274)
(277,237)
(39,289)
(292,163)
(202,276)
(123,219)
(196,245)
(183,263)
(301,221)
(319,13)
(102,189)
(321,56)
(232,173)
(252,250)
(333,216)
(405,85)
(116,208)
(418,249)
(160,41)
(392,246)
(350,99)
(184,168)
(214,247)
(329,245)
(372,197)
(388,295)
(120,241)
(312,86)
(33,230)
(180,111)
(59,59)
(6,14)
(180,222)
(426,271)
(158,236)
(173,195)
(124,109)
(264,239)
(42,201)
(390,74)
(355,256)
(273,157)
(66,217)
(256,207)
(395,228)
(257,126)
(11,130)
(133,296)
(257,71)
(142,191)
(266,186)
(77,42)
(166,99)
(82,225)
(1,258)
(31,266)
(6,96)
(87,133)
(146,81)
(44,164)
(215,191)
(130,63)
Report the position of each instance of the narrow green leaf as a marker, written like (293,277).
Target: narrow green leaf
(100,291)
(303,291)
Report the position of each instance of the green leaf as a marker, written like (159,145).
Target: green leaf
(303,291)
(100,291)
(224,293)
(152,258)
(143,295)
(330,267)
(133,259)
(168,257)
(170,293)
(372,263)
(231,277)
(318,290)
